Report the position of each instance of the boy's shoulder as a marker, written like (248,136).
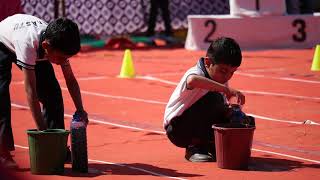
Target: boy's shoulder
(196,69)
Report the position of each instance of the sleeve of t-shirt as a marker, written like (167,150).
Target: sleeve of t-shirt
(191,71)
(26,54)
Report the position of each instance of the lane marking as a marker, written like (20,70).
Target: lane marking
(151,78)
(62,80)
(286,155)
(164,103)
(119,97)
(122,165)
(278,78)
(283,121)
(248,75)
(279,94)
(102,121)
(162,132)
(180,74)
(245,91)
(266,70)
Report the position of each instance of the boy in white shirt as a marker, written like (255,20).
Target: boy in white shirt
(33,45)
(199,100)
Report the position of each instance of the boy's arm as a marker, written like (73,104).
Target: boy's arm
(30,88)
(196,81)
(74,89)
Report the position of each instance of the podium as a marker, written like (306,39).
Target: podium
(257,7)
(264,28)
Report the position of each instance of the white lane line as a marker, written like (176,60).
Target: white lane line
(286,155)
(278,78)
(172,83)
(248,75)
(119,97)
(122,165)
(279,94)
(151,78)
(283,121)
(266,70)
(164,103)
(245,91)
(162,132)
(157,79)
(101,121)
(62,80)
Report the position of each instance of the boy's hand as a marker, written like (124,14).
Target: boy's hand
(235,93)
(83,115)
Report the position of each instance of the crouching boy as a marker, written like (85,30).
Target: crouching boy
(199,100)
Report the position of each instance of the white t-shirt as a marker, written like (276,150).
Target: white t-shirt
(182,98)
(21,34)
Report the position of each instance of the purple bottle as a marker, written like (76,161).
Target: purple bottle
(79,144)
(237,115)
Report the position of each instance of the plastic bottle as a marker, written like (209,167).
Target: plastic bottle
(79,144)
(237,115)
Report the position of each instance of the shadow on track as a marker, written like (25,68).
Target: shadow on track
(268,164)
(97,169)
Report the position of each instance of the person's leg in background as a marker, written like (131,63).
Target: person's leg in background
(6,136)
(152,17)
(164,5)
(307,6)
(293,6)
(49,94)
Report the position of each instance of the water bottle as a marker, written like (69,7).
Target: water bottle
(79,144)
(237,116)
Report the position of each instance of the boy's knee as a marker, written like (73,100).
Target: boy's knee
(175,138)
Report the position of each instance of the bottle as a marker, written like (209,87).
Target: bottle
(237,116)
(79,144)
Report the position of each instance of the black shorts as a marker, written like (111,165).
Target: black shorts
(196,122)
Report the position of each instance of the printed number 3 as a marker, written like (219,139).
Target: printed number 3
(302,35)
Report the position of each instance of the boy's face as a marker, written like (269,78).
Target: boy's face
(221,73)
(53,55)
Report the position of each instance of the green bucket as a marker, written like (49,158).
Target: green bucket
(47,150)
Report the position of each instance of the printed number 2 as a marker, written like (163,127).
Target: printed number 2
(302,35)
(213,25)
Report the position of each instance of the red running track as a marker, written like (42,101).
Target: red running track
(125,135)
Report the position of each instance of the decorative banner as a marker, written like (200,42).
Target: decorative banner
(43,9)
(120,17)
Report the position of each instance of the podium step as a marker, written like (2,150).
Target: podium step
(262,32)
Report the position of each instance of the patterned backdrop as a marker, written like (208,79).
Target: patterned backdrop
(118,17)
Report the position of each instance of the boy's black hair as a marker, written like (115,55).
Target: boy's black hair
(225,50)
(63,35)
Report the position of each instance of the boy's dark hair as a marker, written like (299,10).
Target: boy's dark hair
(63,35)
(225,50)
